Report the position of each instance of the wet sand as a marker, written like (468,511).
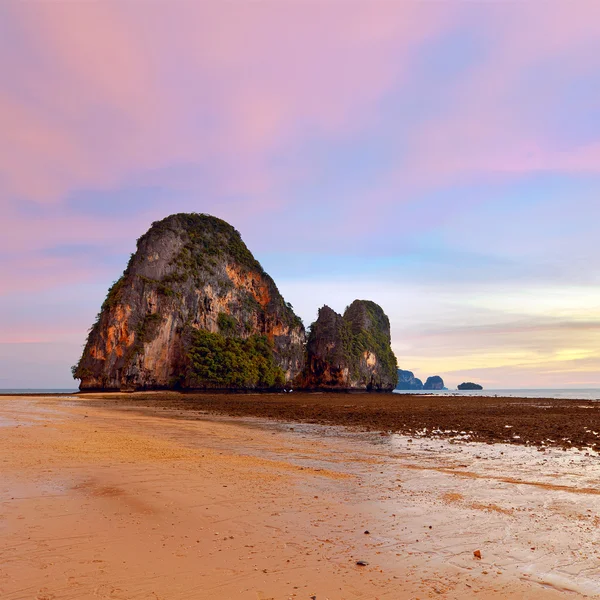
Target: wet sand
(102,500)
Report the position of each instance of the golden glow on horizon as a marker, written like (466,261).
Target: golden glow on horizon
(574,303)
(565,360)
(488,333)
(540,333)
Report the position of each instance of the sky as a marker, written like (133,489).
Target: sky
(440,158)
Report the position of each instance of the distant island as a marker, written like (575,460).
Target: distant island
(434,383)
(470,386)
(408,381)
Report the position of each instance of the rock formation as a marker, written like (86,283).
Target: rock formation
(434,383)
(350,352)
(193,309)
(469,386)
(408,381)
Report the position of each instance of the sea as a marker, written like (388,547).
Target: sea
(558,394)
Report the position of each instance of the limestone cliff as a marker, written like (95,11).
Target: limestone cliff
(351,351)
(193,309)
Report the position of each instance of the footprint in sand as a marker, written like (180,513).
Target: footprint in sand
(108,591)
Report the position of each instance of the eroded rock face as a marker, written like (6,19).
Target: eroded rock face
(191,273)
(350,352)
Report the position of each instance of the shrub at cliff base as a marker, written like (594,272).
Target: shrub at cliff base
(228,362)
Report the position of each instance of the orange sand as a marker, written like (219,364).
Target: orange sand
(99,503)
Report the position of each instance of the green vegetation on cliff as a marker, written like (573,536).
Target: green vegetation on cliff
(228,362)
(227,324)
(116,289)
(351,351)
(210,242)
(368,335)
(209,239)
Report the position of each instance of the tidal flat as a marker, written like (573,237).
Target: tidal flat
(543,422)
(169,497)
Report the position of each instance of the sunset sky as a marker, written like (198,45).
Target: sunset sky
(439,158)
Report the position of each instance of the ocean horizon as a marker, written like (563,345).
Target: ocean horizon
(554,393)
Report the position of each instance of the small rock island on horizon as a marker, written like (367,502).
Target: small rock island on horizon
(434,383)
(469,385)
(194,310)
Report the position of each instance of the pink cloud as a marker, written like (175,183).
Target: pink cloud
(32,274)
(20,233)
(486,129)
(101,92)
(116,88)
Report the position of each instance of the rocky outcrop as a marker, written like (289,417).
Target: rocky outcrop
(193,309)
(408,381)
(350,352)
(469,385)
(434,383)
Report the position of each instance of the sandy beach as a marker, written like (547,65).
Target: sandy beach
(135,500)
